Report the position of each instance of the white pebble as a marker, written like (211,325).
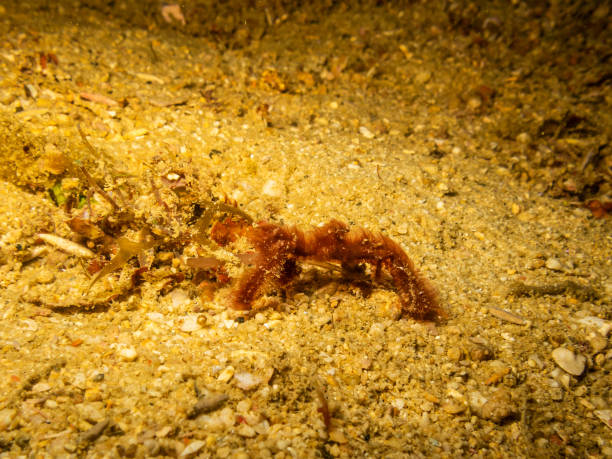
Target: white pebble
(7,416)
(245,430)
(246,381)
(523,138)
(128,354)
(554,264)
(156,317)
(364,131)
(272,188)
(574,364)
(178,297)
(189,323)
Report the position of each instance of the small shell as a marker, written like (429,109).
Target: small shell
(66,245)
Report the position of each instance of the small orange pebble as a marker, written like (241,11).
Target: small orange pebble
(599,209)
(241,420)
(431,398)
(99,98)
(15,378)
(77,342)
(496,377)
(43,312)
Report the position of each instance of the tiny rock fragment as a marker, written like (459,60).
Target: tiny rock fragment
(454,407)
(45,277)
(337,436)
(422,77)
(598,343)
(206,404)
(93,433)
(7,416)
(454,354)
(498,407)
(523,138)
(480,352)
(245,430)
(41,387)
(574,364)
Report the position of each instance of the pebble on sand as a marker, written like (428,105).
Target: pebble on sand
(128,354)
(554,264)
(498,407)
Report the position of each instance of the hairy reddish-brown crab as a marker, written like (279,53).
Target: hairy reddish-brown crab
(279,249)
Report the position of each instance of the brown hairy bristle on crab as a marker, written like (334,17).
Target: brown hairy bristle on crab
(279,248)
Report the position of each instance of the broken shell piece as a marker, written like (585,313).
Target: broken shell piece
(193,448)
(574,364)
(605,416)
(66,245)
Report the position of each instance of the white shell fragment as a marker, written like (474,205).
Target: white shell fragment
(66,245)
(193,448)
(605,416)
(226,374)
(574,364)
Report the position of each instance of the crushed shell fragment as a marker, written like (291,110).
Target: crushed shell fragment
(66,245)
